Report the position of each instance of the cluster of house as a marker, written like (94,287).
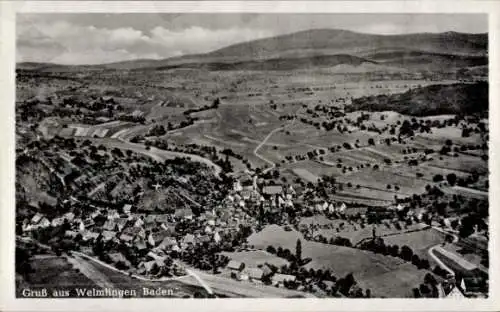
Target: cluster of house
(271,197)
(154,235)
(242,273)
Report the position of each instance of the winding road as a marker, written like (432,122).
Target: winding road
(436,258)
(156,153)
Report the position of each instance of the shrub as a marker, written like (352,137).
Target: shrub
(451,178)
(437,178)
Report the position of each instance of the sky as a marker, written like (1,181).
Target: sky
(96,38)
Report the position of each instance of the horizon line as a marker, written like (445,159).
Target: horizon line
(264,38)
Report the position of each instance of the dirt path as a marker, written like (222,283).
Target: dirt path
(158,154)
(264,141)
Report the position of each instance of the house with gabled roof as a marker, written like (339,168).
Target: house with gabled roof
(126,238)
(169,228)
(184,213)
(69,216)
(70,234)
(150,218)
(140,244)
(235,265)
(147,266)
(203,239)
(162,218)
(127,208)
(132,231)
(272,189)
(139,222)
(109,225)
(159,236)
(113,214)
(44,222)
(121,223)
(108,235)
(217,238)
(167,243)
(119,257)
(255,273)
(188,239)
(57,222)
(36,218)
(88,235)
(280,279)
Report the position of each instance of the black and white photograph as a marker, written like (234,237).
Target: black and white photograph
(251,155)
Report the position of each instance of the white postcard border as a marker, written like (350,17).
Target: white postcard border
(8,302)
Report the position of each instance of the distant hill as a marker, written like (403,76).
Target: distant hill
(278,63)
(320,48)
(334,41)
(430,100)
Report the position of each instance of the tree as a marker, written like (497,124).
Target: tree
(406,253)
(298,250)
(430,279)
(215,103)
(437,178)
(424,289)
(424,264)
(371,141)
(346,283)
(368,293)
(416,293)
(415,260)
(451,178)
(271,249)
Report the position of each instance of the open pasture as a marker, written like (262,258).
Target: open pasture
(397,152)
(370,193)
(367,267)
(419,241)
(469,256)
(381,178)
(353,231)
(361,200)
(49,271)
(314,167)
(463,163)
(306,175)
(438,137)
(255,257)
(466,192)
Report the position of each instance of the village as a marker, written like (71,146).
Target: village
(159,246)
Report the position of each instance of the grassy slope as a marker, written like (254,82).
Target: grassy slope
(384,275)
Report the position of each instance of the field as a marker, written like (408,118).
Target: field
(52,272)
(306,175)
(464,164)
(355,233)
(454,261)
(384,275)
(255,258)
(471,257)
(419,241)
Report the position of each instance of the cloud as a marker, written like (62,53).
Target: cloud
(67,43)
(201,40)
(394,29)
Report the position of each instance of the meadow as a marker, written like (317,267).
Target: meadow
(384,275)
